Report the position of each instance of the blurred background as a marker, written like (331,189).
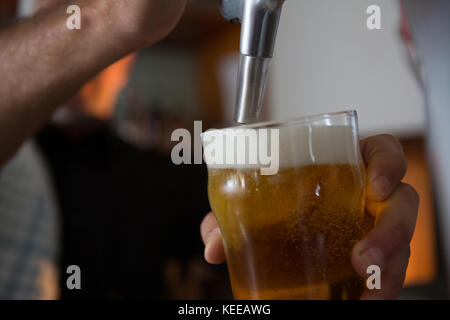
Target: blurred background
(127,217)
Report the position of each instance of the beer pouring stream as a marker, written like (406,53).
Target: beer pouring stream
(260,20)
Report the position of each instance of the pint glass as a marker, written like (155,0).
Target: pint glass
(289,234)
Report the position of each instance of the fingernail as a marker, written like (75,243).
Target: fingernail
(381,185)
(373,256)
(211,235)
(209,242)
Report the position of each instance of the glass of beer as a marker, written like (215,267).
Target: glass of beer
(289,231)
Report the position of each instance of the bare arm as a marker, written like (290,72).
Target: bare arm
(42,63)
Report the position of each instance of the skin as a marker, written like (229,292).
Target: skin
(394,205)
(44,64)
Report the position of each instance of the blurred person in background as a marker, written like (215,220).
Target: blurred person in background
(44,64)
(116,200)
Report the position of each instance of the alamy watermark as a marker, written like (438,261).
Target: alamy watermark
(374,280)
(74,279)
(74,20)
(374,19)
(239,147)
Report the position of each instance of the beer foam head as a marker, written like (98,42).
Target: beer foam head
(287,146)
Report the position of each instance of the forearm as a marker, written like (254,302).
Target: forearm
(43,63)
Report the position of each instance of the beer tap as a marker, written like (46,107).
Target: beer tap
(260,20)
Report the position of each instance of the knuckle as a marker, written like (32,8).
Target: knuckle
(387,144)
(397,149)
(403,163)
(388,139)
(401,234)
(410,194)
(391,140)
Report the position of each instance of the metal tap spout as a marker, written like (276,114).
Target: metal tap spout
(260,20)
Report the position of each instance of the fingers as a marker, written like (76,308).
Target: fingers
(214,250)
(386,165)
(208,225)
(387,244)
(394,227)
(392,279)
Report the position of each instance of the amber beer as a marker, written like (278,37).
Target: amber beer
(290,235)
